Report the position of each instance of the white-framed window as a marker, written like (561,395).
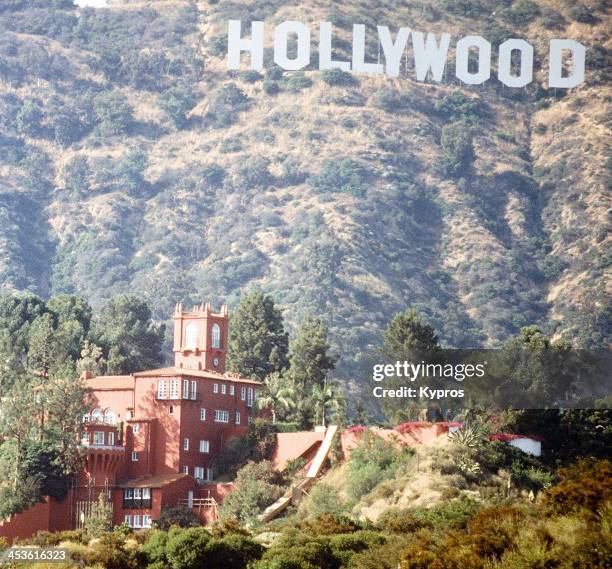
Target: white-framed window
(174,388)
(191,335)
(194,387)
(110,417)
(204,446)
(146,493)
(185,469)
(137,520)
(237,417)
(98,438)
(146,521)
(232,390)
(134,457)
(216,388)
(185,444)
(221,416)
(210,475)
(136,428)
(202,414)
(128,519)
(223,389)
(128,493)
(86,418)
(243,393)
(185,389)
(215,334)
(250,397)
(162,389)
(137,493)
(198,472)
(97,416)
(111,439)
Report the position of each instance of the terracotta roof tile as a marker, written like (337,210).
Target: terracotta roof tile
(206,374)
(152,481)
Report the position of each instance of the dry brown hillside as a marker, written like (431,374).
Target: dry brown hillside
(133,160)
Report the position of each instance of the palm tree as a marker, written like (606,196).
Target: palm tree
(276,396)
(325,397)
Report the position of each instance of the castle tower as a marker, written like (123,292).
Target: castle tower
(200,338)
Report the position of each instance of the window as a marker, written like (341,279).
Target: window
(202,414)
(136,428)
(221,416)
(216,388)
(191,335)
(86,418)
(250,420)
(174,388)
(237,417)
(250,397)
(85,439)
(134,457)
(185,444)
(136,498)
(136,520)
(232,390)
(216,336)
(110,417)
(98,438)
(146,521)
(170,409)
(185,469)
(128,520)
(185,389)
(198,472)
(204,446)
(162,389)
(243,393)
(97,416)
(193,389)
(111,439)
(209,475)
(223,389)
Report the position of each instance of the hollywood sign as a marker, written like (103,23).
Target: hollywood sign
(429,53)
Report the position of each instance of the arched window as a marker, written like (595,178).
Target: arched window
(110,417)
(216,336)
(97,416)
(191,335)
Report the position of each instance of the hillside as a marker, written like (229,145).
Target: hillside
(132,160)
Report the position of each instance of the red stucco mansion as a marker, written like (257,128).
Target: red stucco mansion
(152,436)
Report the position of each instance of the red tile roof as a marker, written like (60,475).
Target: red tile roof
(110,382)
(206,374)
(152,481)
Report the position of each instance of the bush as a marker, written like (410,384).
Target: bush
(176,102)
(521,13)
(458,150)
(583,14)
(113,113)
(297,82)
(345,175)
(186,548)
(180,516)
(271,87)
(232,552)
(458,106)
(337,77)
(323,499)
(226,105)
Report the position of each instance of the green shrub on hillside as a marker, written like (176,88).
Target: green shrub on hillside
(337,77)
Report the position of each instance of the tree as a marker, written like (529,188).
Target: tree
(324,397)
(258,343)
(73,315)
(277,396)
(310,360)
(130,340)
(92,360)
(45,351)
(177,102)
(456,141)
(255,488)
(186,548)
(100,518)
(179,516)
(406,338)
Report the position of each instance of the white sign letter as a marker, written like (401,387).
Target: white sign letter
(359,63)
(325,50)
(281,37)
(236,44)
(504,67)
(429,55)
(393,51)
(555,64)
(463,56)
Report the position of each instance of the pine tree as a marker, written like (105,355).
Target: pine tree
(258,343)
(310,359)
(128,336)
